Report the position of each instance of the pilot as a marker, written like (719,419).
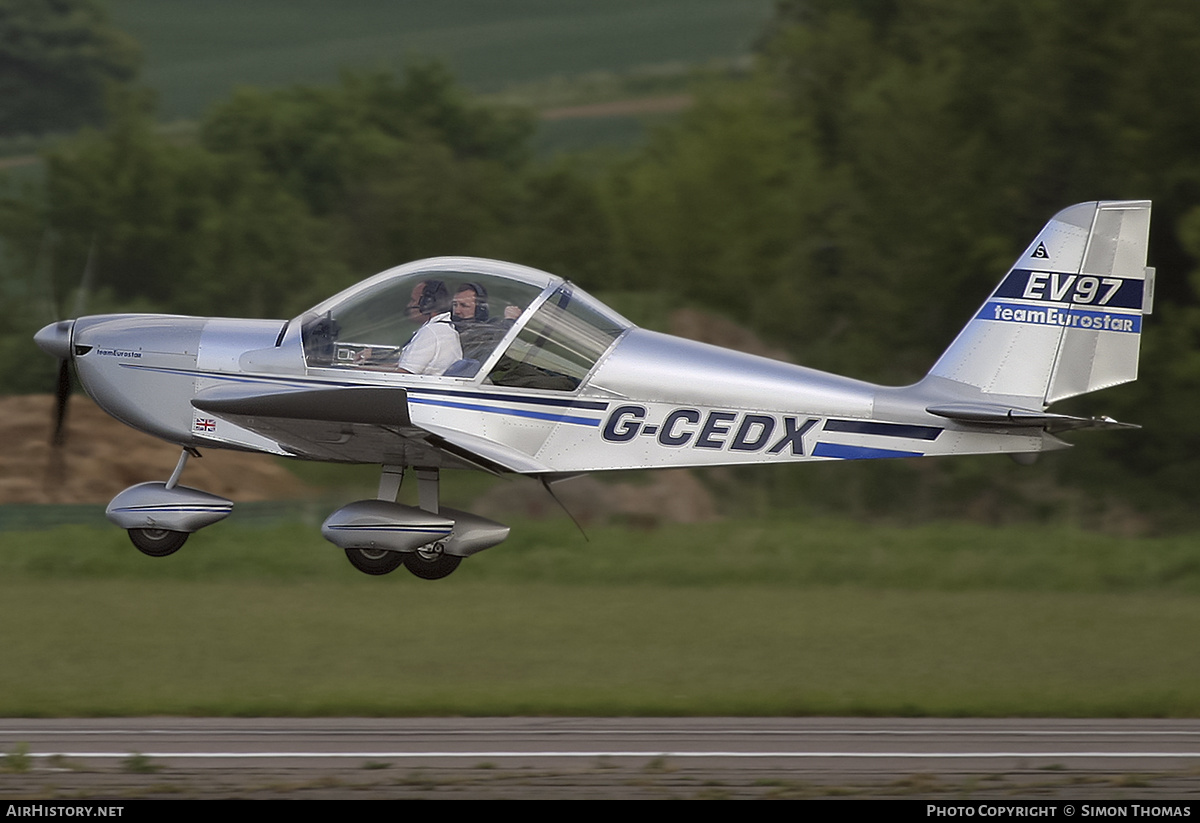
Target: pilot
(435,344)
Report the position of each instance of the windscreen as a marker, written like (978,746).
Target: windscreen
(560,344)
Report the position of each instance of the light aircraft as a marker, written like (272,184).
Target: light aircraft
(549,382)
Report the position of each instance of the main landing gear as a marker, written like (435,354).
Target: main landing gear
(428,562)
(374,561)
(380,535)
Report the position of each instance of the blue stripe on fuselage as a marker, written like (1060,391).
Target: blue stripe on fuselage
(536,415)
(844,452)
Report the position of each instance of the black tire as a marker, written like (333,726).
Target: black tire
(157,542)
(374,561)
(431,565)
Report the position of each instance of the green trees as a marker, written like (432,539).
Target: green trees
(399,169)
(287,196)
(56,59)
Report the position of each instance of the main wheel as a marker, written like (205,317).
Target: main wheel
(374,561)
(431,562)
(157,542)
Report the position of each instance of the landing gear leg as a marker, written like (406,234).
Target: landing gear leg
(430,562)
(390,480)
(183,459)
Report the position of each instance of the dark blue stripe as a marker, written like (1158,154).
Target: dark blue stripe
(559,418)
(884,429)
(403,529)
(1045,284)
(844,452)
(198,507)
(597,405)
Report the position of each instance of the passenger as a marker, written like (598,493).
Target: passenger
(478,333)
(470,304)
(435,345)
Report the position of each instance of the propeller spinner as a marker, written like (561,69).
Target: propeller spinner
(55,339)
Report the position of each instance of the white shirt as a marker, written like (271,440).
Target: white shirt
(433,348)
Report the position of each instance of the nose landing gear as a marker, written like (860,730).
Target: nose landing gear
(157,542)
(160,516)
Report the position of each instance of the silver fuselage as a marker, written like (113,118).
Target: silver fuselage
(651,401)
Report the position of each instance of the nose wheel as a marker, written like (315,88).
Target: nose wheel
(157,542)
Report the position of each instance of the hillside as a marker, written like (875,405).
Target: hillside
(103,456)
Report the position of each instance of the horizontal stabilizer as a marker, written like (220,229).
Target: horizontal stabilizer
(358,404)
(1007,416)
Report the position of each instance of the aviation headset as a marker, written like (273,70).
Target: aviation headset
(434,298)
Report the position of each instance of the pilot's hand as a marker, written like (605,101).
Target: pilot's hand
(512,312)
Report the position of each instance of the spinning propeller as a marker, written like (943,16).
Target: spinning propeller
(56,339)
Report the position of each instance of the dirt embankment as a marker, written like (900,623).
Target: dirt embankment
(102,456)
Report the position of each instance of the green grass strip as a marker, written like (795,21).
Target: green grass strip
(406,647)
(944,557)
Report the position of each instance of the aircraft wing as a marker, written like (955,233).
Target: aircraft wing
(485,454)
(359,424)
(356,404)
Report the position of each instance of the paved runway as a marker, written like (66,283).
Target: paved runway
(805,754)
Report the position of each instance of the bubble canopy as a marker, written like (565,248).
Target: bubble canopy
(515,326)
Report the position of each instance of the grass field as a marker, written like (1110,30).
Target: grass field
(729,618)
(197,53)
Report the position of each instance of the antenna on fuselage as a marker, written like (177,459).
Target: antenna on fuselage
(546,481)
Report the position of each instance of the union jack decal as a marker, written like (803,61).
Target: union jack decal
(205,424)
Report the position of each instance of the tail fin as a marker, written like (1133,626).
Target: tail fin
(1067,319)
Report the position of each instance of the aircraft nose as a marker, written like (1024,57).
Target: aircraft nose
(55,339)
